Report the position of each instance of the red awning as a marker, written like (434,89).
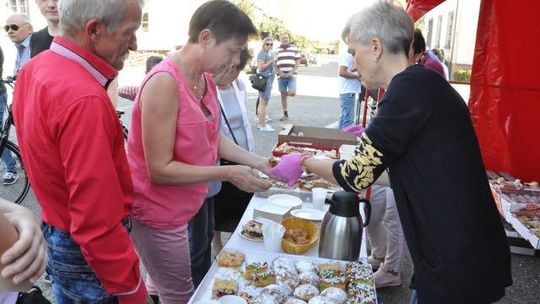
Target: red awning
(418,8)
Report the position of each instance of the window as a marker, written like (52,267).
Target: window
(429,32)
(438,33)
(19,6)
(449,30)
(144,23)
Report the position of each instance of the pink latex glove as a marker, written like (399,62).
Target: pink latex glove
(357,130)
(289,169)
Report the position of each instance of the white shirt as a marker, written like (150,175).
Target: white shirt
(347,85)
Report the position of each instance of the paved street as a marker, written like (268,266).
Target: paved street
(317,105)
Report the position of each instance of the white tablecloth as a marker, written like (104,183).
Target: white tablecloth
(238,242)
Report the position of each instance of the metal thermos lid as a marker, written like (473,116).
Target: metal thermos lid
(345,204)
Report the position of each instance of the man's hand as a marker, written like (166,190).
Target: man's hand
(289,169)
(247,179)
(27,258)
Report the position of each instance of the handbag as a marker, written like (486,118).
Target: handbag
(231,202)
(258,81)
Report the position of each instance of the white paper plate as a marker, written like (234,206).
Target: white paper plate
(311,214)
(285,200)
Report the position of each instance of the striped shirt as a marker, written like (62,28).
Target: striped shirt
(286,57)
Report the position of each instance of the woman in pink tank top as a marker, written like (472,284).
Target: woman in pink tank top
(174,144)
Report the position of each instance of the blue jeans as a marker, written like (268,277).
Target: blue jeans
(414,297)
(287,84)
(201,233)
(7,161)
(73,281)
(347,109)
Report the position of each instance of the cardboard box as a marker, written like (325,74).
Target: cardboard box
(319,138)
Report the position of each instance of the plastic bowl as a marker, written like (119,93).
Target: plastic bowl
(309,226)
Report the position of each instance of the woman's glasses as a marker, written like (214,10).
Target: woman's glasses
(269,44)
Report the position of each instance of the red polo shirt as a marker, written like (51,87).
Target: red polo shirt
(73,150)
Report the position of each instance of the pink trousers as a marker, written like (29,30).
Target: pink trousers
(165,254)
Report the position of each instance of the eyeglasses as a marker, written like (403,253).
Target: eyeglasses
(14,27)
(269,44)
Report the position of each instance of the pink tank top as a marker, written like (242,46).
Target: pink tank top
(166,206)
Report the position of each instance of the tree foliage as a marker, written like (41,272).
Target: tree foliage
(272,26)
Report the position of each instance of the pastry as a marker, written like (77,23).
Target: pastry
(223,287)
(295,301)
(306,292)
(265,299)
(330,278)
(359,273)
(305,266)
(259,274)
(277,292)
(361,294)
(230,258)
(283,264)
(309,277)
(335,267)
(273,161)
(287,279)
(297,236)
(321,300)
(249,293)
(338,295)
(253,230)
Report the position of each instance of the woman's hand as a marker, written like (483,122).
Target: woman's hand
(27,258)
(247,179)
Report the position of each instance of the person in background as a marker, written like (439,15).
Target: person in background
(42,39)
(418,55)
(349,86)
(231,202)
(287,63)
(19,31)
(423,134)
(73,149)
(10,172)
(386,238)
(174,145)
(439,53)
(265,66)
(129,92)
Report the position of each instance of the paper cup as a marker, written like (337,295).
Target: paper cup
(272,235)
(318,197)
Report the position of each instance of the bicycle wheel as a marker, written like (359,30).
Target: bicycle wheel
(17,189)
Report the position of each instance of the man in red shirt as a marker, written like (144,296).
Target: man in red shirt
(73,150)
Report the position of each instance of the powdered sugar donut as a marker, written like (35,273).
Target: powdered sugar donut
(336,294)
(306,292)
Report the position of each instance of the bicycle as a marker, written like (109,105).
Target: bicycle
(16,191)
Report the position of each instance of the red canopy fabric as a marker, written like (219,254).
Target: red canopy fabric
(418,8)
(505,87)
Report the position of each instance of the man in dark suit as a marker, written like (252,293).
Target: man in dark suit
(42,39)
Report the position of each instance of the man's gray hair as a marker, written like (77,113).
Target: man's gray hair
(75,13)
(386,20)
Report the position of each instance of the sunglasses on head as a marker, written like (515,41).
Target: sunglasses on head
(14,27)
